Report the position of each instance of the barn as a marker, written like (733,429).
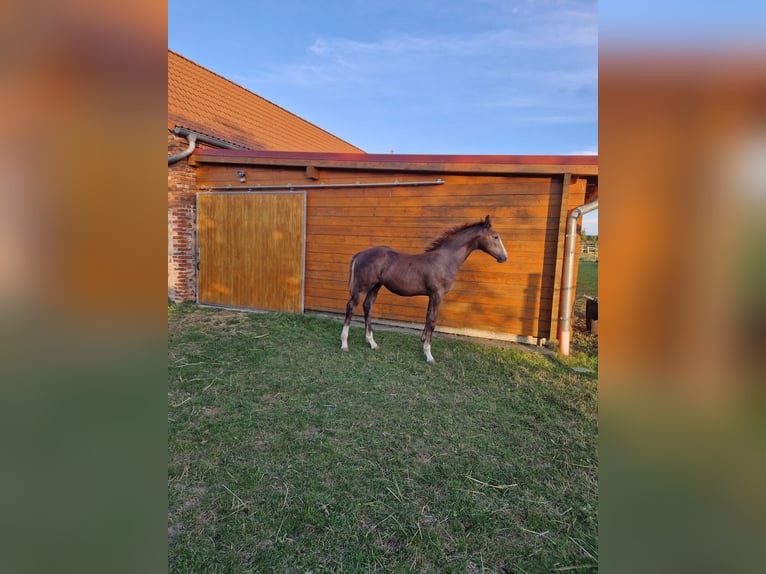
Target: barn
(271,224)
(207,111)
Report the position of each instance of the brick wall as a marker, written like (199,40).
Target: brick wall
(182,205)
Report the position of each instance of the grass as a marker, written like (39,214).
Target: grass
(584,345)
(287,455)
(587,279)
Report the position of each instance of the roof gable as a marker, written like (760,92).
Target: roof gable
(203,101)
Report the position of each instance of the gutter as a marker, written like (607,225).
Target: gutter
(567,286)
(194,137)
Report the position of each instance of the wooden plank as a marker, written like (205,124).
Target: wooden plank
(453,312)
(564,203)
(339,260)
(207,176)
(522,242)
(516,305)
(452,315)
(461,197)
(461,213)
(518,250)
(445,164)
(478,263)
(227,175)
(426,228)
(528,183)
(251,250)
(512,276)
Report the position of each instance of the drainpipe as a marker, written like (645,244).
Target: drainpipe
(567,287)
(192,137)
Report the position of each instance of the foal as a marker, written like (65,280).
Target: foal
(430,273)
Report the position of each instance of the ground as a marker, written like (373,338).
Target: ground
(288,455)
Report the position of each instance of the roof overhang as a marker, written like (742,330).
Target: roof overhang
(581,165)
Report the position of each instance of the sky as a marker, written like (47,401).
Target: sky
(696,24)
(412,77)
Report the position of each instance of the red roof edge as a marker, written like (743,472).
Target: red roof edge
(407,158)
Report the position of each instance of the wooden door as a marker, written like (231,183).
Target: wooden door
(251,250)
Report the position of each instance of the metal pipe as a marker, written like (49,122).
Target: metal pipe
(567,286)
(187,152)
(290,186)
(194,137)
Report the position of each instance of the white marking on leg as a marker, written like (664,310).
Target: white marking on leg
(427,351)
(344,338)
(370,340)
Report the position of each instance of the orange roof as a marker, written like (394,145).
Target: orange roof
(205,102)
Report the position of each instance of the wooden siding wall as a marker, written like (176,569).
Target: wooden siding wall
(519,297)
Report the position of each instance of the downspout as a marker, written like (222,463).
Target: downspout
(192,137)
(567,287)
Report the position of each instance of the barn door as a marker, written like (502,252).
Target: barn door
(251,250)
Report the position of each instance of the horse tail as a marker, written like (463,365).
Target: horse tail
(351,282)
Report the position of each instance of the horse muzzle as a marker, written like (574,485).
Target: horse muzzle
(501,258)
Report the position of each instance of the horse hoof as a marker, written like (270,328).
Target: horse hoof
(344,349)
(375,348)
(430,361)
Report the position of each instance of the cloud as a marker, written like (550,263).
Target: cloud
(477,47)
(486,61)
(553,118)
(541,24)
(481,64)
(389,46)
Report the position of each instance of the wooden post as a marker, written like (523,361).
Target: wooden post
(563,211)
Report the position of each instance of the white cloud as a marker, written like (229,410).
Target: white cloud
(526,72)
(528,53)
(554,119)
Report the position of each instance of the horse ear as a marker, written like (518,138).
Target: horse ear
(487,223)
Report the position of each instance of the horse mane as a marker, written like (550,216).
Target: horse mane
(449,234)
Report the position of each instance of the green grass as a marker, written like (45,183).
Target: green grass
(288,455)
(587,279)
(584,347)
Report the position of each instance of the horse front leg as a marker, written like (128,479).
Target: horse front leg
(433,311)
(368,303)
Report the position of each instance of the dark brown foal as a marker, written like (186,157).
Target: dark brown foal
(430,273)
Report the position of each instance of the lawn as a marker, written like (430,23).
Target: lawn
(587,279)
(584,345)
(288,455)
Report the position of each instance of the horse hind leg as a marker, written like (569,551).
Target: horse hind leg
(356,297)
(368,303)
(433,311)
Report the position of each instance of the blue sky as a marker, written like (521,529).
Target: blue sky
(417,76)
(700,24)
